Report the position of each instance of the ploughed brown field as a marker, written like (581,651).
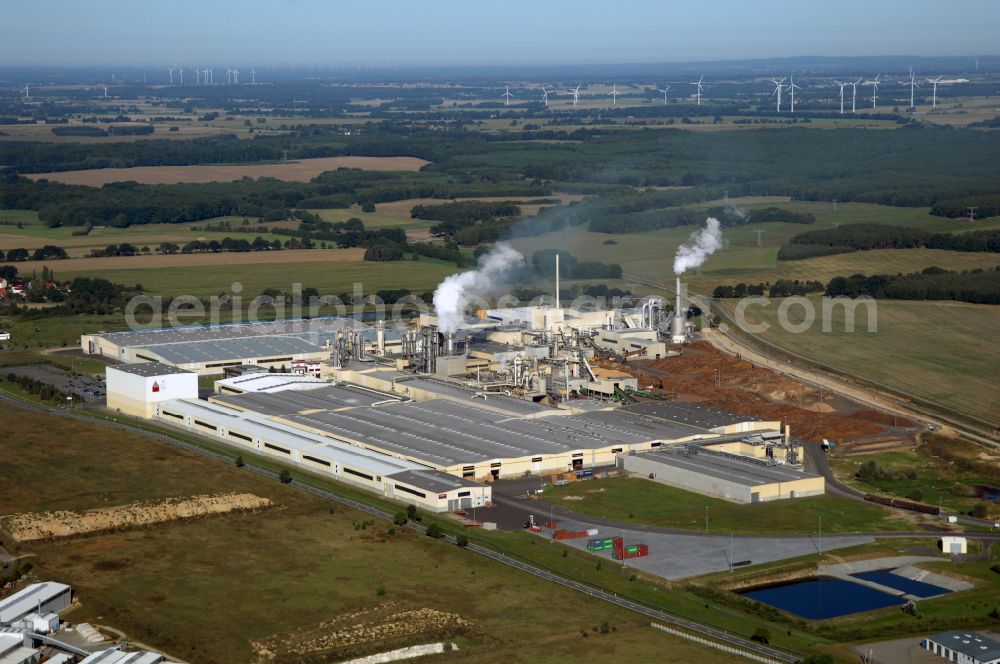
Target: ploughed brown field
(302,170)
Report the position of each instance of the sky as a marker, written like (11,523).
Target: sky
(482,32)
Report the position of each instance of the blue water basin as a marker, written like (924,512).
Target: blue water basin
(821,598)
(916,588)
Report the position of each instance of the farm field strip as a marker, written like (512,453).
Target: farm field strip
(301,170)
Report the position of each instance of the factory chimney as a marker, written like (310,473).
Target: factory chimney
(557,280)
(678,336)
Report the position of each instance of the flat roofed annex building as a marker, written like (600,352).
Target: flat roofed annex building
(727,476)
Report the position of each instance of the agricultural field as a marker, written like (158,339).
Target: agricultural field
(272,270)
(32,233)
(647,502)
(301,170)
(288,567)
(941,351)
(396,214)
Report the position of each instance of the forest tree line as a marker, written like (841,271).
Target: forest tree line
(864,237)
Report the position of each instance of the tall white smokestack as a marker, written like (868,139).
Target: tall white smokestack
(557,280)
(678,336)
(703,243)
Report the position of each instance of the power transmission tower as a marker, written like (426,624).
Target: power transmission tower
(972,213)
(758,232)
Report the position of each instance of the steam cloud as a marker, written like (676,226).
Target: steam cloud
(702,244)
(455,292)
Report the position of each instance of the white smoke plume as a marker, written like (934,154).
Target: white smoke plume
(702,244)
(455,292)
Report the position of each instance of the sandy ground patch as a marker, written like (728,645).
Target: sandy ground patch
(224,258)
(46,525)
(302,170)
(377,629)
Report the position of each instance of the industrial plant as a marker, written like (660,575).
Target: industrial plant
(433,411)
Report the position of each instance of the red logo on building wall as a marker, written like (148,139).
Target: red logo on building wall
(156,387)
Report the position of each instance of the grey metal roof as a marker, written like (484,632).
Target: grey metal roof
(321,325)
(692,414)
(636,425)
(726,468)
(148,369)
(231,349)
(27,599)
(450,390)
(446,433)
(286,403)
(258,426)
(115,656)
(973,644)
(433,480)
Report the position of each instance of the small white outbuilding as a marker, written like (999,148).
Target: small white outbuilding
(954,545)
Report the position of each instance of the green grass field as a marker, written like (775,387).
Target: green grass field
(34,233)
(300,563)
(331,278)
(942,351)
(653,503)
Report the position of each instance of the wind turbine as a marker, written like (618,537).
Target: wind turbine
(180,70)
(699,89)
(854,94)
(842,86)
(545,95)
(171,71)
(614,94)
(913,84)
(664,91)
(236,77)
(253,77)
(229,76)
(935,82)
(874,84)
(778,85)
(791,89)
(576,94)
(105,92)
(507,96)
(26,94)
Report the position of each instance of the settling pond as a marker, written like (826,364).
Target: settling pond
(820,598)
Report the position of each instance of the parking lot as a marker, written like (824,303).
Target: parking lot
(85,388)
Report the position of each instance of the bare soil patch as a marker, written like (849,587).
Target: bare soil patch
(47,525)
(750,389)
(302,170)
(384,627)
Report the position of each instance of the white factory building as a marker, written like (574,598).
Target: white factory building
(210,350)
(42,599)
(135,389)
